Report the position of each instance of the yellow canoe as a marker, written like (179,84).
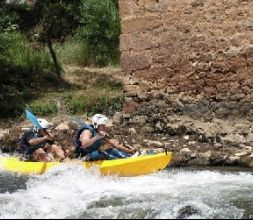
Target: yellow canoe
(129,167)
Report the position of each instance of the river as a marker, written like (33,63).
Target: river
(71,192)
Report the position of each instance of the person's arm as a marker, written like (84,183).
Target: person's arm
(87,140)
(36,141)
(116,144)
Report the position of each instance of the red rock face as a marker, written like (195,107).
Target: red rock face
(192,46)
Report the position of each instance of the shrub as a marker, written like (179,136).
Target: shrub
(99,32)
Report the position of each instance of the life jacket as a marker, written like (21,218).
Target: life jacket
(95,146)
(24,142)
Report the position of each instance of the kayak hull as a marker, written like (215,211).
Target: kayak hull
(129,167)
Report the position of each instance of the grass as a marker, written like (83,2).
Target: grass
(94,101)
(43,107)
(19,53)
(27,79)
(74,52)
(100,94)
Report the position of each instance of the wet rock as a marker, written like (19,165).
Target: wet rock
(249,160)
(217,159)
(233,160)
(187,212)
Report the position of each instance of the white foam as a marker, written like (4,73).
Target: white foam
(70,191)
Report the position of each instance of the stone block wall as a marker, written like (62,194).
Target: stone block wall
(201,48)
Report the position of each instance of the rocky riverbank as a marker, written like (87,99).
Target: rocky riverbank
(193,142)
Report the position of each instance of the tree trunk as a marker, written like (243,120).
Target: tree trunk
(54,57)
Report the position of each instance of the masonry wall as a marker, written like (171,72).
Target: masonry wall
(203,48)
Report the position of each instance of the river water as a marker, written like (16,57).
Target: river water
(71,192)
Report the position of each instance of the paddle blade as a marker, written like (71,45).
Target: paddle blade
(32,118)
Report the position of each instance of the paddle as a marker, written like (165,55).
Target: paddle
(32,118)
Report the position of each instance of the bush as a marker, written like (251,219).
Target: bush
(21,71)
(43,107)
(94,100)
(99,32)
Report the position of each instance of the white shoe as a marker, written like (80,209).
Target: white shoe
(135,155)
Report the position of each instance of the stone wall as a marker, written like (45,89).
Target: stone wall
(198,48)
(189,78)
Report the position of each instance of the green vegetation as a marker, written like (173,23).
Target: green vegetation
(94,100)
(99,32)
(43,107)
(38,40)
(104,95)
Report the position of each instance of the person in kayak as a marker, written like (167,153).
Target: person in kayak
(38,144)
(94,143)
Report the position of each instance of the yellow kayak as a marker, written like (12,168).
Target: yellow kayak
(129,167)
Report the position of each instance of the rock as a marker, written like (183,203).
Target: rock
(249,24)
(217,159)
(126,116)
(1,137)
(139,120)
(187,211)
(218,146)
(4,131)
(248,148)
(247,51)
(185,151)
(130,107)
(117,118)
(241,154)
(187,137)
(193,155)
(159,126)
(155,144)
(62,127)
(249,139)
(148,129)
(198,3)
(207,155)
(192,143)
(234,139)
(232,52)
(132,131)
(238,97)
(233,160)
(249,160)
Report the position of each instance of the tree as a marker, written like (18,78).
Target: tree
(100,30)
(56,20)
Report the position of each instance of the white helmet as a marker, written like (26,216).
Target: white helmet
(99,119)
(43,123)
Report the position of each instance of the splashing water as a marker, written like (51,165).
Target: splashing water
(71,192)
